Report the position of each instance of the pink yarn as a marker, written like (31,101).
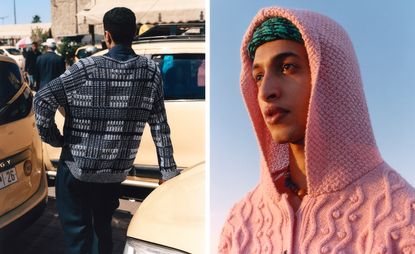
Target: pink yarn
(356,202)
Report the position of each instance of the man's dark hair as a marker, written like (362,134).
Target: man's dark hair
(120,23)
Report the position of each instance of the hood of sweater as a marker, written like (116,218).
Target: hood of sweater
(339,142)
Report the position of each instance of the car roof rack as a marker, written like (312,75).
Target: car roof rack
(170,38)
(174,31)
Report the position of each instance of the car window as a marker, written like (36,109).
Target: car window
(183,75)
(13,51)
(10,84)
(1,52)
(82,53)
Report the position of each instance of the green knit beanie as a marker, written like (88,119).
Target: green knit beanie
(273,29)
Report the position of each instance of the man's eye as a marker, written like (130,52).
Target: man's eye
(287,68)
(258,77)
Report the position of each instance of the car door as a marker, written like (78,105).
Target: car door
(184,94)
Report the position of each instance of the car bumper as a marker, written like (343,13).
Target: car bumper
(140,176)
(24,215)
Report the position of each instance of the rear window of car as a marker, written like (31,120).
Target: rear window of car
(10,84)
(13,51)
(83,53)
(183,75)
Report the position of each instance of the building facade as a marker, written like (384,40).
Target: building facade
(65,19)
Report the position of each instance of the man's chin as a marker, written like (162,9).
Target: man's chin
(280,139)
(284,138)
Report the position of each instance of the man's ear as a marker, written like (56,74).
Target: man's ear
(107,38)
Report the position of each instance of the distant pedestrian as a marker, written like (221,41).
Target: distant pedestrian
(108,100)
(49,65)
(30,64)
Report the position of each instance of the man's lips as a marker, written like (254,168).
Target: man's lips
(273,114)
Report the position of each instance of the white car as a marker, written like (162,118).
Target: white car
(85,51)
(13,53)
(171,219)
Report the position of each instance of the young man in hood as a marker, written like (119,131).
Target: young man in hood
(324,186)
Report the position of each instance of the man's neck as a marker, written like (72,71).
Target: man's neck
(297,165)
(112,45)
(121,52)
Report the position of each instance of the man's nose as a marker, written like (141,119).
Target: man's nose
(269,89)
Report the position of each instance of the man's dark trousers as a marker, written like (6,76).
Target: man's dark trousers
(85,211)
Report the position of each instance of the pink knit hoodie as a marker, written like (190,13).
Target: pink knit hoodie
(356,203)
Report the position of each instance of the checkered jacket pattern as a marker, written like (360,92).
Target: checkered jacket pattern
(107,104)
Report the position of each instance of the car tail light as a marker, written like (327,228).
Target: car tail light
(27,167)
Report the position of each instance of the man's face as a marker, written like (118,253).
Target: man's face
(282,74)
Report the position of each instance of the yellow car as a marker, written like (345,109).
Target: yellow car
(23,184)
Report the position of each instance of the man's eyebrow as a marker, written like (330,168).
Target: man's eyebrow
(277,58)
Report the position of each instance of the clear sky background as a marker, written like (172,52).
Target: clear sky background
(383,36)
(25,10)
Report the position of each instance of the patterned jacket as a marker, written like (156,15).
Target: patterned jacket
(107,104)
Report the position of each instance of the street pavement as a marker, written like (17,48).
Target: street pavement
(45,235)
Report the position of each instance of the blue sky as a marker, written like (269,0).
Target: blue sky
(383,37)
(25,10)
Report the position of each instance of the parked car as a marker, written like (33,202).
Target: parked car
(181,60)
(85,51)
(13,53)
(171,219)
(23,184)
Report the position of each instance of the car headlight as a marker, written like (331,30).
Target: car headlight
(135,246)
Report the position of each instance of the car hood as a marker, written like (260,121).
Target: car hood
(173,214)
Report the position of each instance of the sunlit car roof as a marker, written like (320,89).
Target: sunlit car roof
(166,47)
(7,59)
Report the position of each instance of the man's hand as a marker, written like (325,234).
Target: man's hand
(62,111)
(161,181)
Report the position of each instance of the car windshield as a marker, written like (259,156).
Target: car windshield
(82,53)
(10,83)
(13,51)
(183,75)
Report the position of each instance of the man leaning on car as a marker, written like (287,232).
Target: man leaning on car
(108,100)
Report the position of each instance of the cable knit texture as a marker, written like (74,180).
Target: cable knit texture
(356,203)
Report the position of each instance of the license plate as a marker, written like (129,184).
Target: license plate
(8,177)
